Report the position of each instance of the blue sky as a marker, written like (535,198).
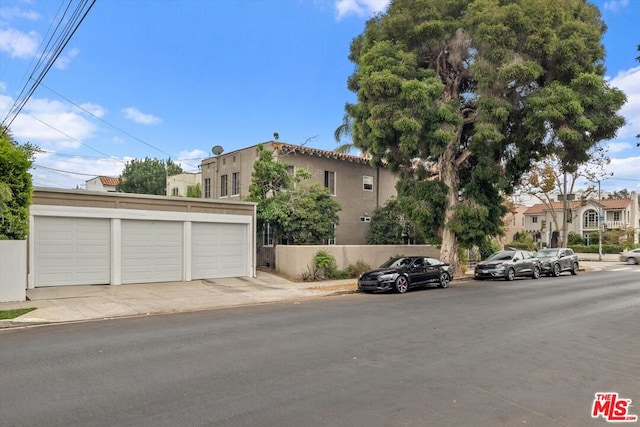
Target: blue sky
(160,78)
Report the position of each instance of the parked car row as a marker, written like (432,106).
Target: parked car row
(403,273)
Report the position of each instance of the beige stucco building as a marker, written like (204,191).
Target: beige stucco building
(357,186)
(585,217)
(178,185)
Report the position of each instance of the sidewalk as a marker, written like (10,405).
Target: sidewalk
(83,303)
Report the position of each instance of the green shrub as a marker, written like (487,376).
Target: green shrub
(593,249)
(355,270)
(575,239)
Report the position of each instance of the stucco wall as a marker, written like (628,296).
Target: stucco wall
(295,260)
(13,268)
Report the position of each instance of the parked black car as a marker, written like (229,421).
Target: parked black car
(402,273)
(554,261)
(508,265)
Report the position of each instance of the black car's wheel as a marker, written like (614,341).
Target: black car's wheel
(444,280)
(511,274)
(536,272)
(574,268)
(556,270)
(402,285)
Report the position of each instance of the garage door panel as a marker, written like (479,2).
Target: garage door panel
(152,251)
(71,251)
(219,250)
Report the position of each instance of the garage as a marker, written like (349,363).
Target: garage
(91,238)
(71,251)
(218,250)
(151,251)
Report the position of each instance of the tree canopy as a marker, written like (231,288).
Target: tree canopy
(147,176)
(298,212)
(461,97)
(15,187)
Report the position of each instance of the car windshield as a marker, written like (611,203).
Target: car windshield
(545,253)
(501,256)
(396,262)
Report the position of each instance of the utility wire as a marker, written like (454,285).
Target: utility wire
(61,42)
(114,126)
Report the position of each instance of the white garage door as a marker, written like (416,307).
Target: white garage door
(218,250)
(151,251)
(71,251)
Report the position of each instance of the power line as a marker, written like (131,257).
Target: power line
(60,43)
(35,166)
(112,125)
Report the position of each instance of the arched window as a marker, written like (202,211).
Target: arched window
(590,219)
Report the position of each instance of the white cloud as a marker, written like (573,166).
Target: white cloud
(14,12)
(615,5)
(49,123)
(625,174)
(359,7)
(629,82)
(72,172)
(137,116)
(19,44)
(95,109)
(189,160)
(618,147)
(63,61)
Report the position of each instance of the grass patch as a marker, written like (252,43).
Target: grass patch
(16,312)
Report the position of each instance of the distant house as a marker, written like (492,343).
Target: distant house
(102,183)
(584,217)
(178,185)
(357,186)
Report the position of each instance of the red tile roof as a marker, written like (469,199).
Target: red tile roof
(107,180)
(541,208)
(290,148)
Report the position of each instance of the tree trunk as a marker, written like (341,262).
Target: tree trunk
(449,176)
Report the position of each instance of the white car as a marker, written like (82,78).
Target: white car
(631,256)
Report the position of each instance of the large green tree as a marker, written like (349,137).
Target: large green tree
(147,176)
(390,226)
(15,187)
(298,212)
(461,97)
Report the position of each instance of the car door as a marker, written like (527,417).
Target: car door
(418,271)
(521,265)
(432,270)
(562,259)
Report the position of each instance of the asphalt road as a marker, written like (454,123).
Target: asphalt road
(528,352)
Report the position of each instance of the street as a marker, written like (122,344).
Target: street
(492,353)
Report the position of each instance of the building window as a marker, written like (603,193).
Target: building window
(235,183)
(291,170)
(332,240)
(591,219)
(174,191)
(616,215)
(207,188)
(330,181)
(267,238)
(534,219)
(367,183)
(223,186)
(234,159)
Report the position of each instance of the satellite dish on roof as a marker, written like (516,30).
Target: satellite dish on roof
(217,150)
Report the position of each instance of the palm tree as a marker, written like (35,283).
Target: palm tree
(344,130)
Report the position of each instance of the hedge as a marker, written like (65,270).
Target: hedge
(593,249)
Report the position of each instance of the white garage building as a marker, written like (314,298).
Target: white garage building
(89,238)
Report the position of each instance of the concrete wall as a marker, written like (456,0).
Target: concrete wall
(13,270)
(295,260)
